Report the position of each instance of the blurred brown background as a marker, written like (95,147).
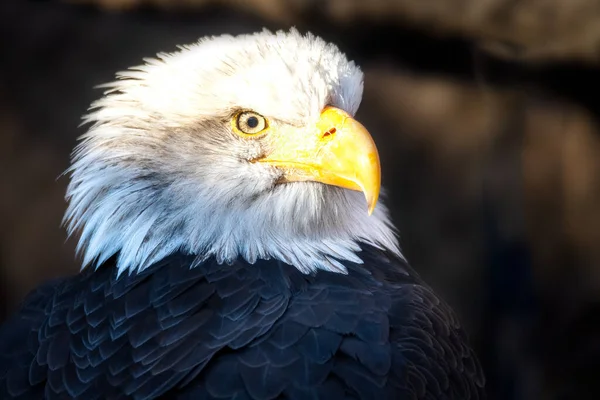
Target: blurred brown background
(485,113)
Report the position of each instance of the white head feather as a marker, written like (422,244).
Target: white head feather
(160,169)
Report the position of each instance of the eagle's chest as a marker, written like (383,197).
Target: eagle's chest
(240,331)
(221,332)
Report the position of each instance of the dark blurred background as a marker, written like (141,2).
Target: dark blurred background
(485,113)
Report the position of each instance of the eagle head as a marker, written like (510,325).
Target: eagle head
(231,147)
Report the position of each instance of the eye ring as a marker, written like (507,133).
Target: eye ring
(250,123)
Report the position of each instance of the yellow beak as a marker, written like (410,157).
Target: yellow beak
(338,151)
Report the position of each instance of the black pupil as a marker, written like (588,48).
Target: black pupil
(252,122)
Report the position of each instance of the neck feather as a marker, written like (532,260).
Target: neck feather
(308,225)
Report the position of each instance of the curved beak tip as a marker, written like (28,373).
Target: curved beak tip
(371,198)
(371,206)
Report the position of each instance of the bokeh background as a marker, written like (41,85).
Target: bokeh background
(485,113)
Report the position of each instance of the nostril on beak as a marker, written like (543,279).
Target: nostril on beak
(329,132)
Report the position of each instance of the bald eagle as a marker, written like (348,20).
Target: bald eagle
(228,252)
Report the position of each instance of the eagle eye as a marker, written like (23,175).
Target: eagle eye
(250,123)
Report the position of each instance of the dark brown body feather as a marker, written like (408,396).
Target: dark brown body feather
(240,331)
